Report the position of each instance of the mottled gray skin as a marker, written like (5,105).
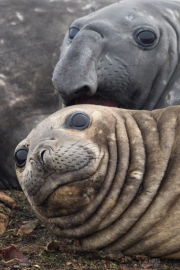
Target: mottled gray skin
(105,59)
(113,186)
(30,37)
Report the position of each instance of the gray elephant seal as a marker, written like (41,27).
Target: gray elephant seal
(107,177)
(126,53)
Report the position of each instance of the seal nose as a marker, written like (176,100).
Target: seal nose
(39,158)
(42,155)
(76,72)
(45,157)
(72,91)
(71,86)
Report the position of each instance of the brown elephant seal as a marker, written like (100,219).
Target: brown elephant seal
(126,53)
(107,177)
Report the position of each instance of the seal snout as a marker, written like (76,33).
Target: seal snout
(39,158)
(70,89)
(44,156)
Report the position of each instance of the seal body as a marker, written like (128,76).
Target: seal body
(106,177)
(126,53)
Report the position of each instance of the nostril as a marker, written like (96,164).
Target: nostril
(42,155)
(83,91)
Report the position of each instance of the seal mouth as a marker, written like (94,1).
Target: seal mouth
(69,198)
(95,100)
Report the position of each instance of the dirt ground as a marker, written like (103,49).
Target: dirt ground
(34,247)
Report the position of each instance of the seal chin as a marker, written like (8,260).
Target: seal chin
(68,199)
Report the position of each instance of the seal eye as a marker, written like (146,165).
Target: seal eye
(78,121)
(73,32)
(21,156)
(146,38)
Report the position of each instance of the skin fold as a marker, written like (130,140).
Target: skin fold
(111,183)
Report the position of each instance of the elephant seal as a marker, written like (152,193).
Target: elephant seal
(29,49)
(126,53)
(107,178)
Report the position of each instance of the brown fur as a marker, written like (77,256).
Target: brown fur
(121,189)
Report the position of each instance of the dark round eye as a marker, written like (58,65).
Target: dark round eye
(145,38)
(79,121)
(73,32)
(21,156)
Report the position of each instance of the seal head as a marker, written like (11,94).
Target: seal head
(62,176)
(126,53)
